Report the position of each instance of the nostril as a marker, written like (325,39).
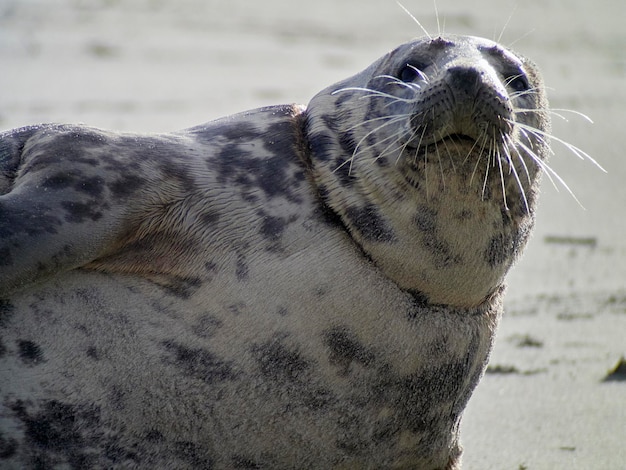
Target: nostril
(464,78)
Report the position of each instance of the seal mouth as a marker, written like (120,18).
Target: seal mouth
(454,140)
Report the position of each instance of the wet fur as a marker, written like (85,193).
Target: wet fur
(284,288)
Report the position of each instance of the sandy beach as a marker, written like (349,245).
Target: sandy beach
(158,65)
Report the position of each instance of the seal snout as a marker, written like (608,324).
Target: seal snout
(464,79)
(466,100)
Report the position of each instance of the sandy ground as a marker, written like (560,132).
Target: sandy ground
(155,65)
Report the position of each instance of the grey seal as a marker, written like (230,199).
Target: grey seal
(289,287)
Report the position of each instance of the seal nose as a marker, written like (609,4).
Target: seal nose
(464,79)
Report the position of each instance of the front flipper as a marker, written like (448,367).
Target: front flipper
(57,210)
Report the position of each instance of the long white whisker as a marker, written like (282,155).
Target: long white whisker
(549,171)
(392,120)
(369,121)
(509,159)
(506,25)
(510,143)
(575,150)
(555,112)
(373,93)
(415,20)
(577,113)
(502,185)
(411,85)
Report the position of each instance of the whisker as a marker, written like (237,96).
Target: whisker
(369,121)
(392,120)
(415,20)
(512,170)
(549,171)
(572,111)
(506,24)
(502,183)
(412,86)
(443,176)
(555,112)
(399,135)
(373,93)
(510,143)
(571,147)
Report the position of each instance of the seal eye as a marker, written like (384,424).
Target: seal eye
(409,73)
(518,82)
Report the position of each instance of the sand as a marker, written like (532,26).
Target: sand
(156,65)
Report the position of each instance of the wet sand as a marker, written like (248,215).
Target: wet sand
(154,65)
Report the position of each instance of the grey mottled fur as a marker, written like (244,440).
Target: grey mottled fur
(284,288)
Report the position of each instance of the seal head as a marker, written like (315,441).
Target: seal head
(431,156)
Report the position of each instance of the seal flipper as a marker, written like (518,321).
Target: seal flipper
(49,186)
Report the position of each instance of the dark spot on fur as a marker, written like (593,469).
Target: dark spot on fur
(6,312)
(207,326)
(92,353)
(77,212)
(3,348)
(344,98)
(465,214)
(342,171)
(280,138)
(322,146)
(274,180)
(426,219)
(348,143)
(92,186)
(240,462)
(210,218)
(241,268)
(193,454)
(324,213)
(181,287)
(417,398)
(117,453)
(30,220)
(30,353)
(5,257)
(125,185)
(346,348)
(238,308)
(443,256)
(278,362)
(272,227)
(291,373)
(243,131)
(59,430)
(368,221)
(60,180)
(266,170)
(321,291)
(199,363)
(498,249)
(419,300)
(154,435)
(8,447)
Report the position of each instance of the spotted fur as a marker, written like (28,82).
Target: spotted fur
(288,287)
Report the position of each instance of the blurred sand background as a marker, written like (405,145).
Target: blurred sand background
(157,65)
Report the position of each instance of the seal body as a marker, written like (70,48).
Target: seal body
(288,287)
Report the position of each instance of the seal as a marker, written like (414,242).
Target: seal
(289,287)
